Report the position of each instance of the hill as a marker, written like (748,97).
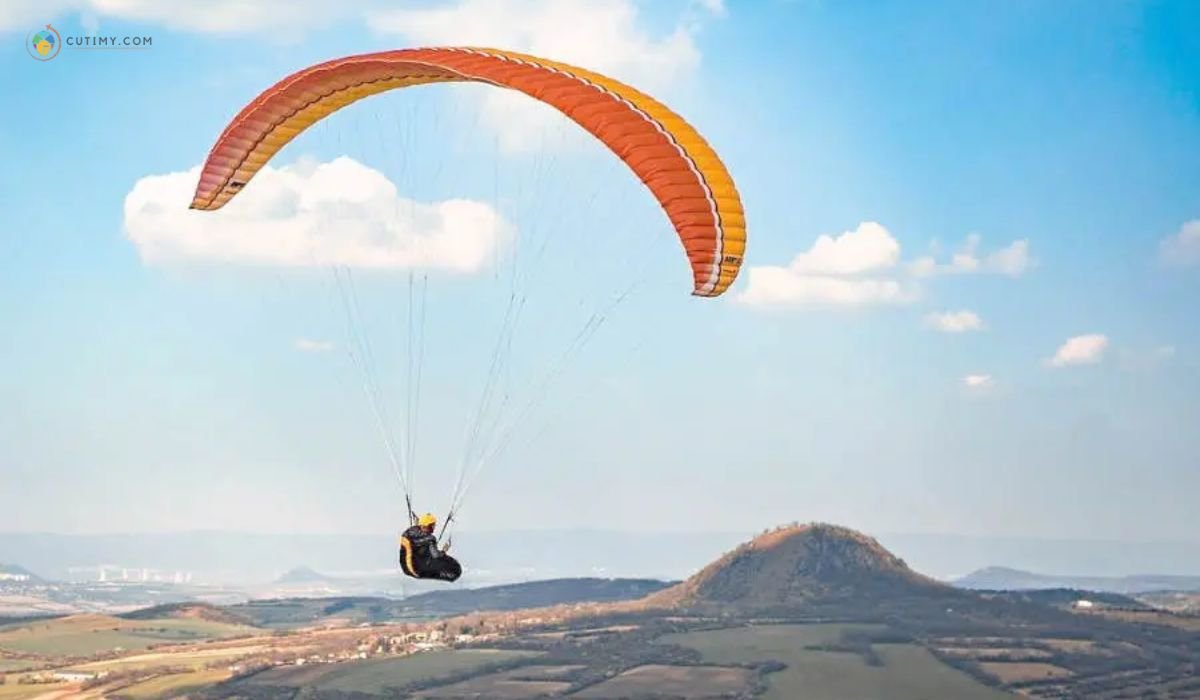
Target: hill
(999,578)
(799,564)
(290,613)
(302,574)
(189,611)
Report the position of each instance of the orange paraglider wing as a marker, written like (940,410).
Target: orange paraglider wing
(665,152)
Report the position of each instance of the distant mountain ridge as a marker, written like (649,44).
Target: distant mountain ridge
(303,574)
(534,594)
(295,612)
(1001,578)
(1067,597)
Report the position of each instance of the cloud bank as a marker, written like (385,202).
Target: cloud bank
(863,267)
(339,213)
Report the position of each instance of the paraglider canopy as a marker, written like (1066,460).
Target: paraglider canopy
(664,151)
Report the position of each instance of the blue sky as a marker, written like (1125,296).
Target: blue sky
(869,378)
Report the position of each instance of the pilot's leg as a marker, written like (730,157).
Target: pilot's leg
(448,568)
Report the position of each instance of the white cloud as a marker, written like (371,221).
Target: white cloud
(866,248)
(311,214)
(954,321)
(863,266)
(978,382)
(781,286)
(309,345)
(1080,350)
(605,36)
(1012,260)
(923,267)
(1183,248)
(832,272)
(602,35)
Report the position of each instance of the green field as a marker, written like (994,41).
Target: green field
(85,635)
(768,638)
(7,665)
(909,672)
(375,675)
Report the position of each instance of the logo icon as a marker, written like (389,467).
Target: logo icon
(44,44)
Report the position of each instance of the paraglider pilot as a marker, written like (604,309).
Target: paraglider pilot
(420,556)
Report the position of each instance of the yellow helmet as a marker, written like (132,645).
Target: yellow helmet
(427,520)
